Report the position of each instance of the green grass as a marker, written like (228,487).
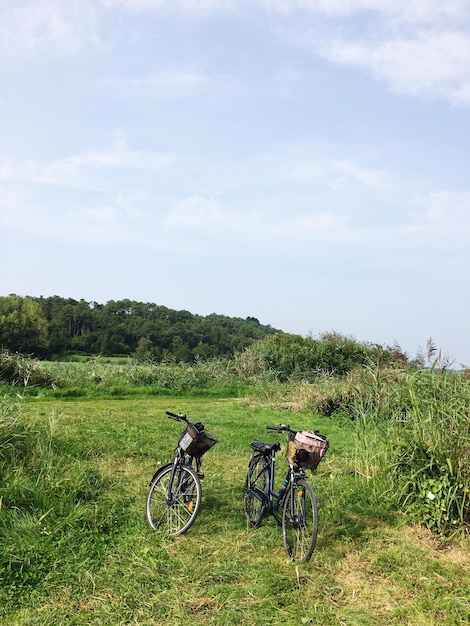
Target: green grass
(76,549)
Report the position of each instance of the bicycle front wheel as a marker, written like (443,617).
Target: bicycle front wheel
(256,494)
(300,521)
(175,511)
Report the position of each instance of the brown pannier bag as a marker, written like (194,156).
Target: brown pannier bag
(310,448)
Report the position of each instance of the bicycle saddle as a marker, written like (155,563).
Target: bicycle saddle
(265,448)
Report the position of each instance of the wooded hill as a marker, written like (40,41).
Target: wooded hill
(55,327)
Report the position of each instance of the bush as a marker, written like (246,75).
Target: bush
(415,428)
(432,468)
(292,357)
(18,370)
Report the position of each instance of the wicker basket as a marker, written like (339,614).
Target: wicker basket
(310,448)
(196,442)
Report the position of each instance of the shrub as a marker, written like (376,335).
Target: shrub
(292,357)
(18,370)
(432,468)
(415,429)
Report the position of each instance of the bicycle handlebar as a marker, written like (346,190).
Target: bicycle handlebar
(178,417)
(181,417)
(282,428)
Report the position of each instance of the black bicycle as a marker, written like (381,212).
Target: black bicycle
(175,492)
(299,513)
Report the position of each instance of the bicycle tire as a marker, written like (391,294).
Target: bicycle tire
(159,471)
(299,532)
(175,516)
(256,492)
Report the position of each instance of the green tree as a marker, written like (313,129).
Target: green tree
(23,326)
(117,327)
(144,348)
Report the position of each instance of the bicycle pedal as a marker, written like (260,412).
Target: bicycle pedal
(200,475)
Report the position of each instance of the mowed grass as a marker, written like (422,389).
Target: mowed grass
(86,555)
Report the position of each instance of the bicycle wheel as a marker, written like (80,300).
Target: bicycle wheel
(256,493)
(300,521)
(174,512)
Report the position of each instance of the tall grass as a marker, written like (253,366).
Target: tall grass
(415,427)
(20,371)
(49,496)
(413,435)
(73,379)
(432,467)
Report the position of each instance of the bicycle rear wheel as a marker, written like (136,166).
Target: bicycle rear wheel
(300,521)
(256,493)
(174,512)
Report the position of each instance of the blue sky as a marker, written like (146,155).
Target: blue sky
(305,162)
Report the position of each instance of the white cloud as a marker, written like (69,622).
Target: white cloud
(305,170)
(420,47)
(85,170)
(402,10)
(6,169)
(337,173)
(111,159)
(446,216)
(316,199)
(194,213)
(95,224)
(439,220)
(433,63)
(351,171)
(190,6)
(39,24)
(170,79)
(199,214)
(170,84)
(33,26)
(313,225)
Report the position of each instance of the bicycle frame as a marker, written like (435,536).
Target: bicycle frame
(180,459)
(276,498)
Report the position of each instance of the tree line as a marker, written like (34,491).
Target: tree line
(55,327)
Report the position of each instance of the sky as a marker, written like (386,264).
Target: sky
(303,162)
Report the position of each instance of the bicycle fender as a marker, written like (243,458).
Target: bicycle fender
(159,471)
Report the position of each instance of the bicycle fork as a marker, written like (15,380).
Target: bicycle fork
(178,489)
(297,511)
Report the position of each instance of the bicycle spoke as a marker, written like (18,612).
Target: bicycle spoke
(300,522)
(174,496)
(174,511)
(255,498)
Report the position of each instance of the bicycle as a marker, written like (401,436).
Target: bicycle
(299,517)
(175,493)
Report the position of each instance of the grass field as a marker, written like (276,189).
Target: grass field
(81,551)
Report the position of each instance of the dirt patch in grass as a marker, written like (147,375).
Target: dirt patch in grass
(387,571)
(456,552)
(362,587)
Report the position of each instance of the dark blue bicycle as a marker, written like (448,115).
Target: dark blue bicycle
(294,506)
